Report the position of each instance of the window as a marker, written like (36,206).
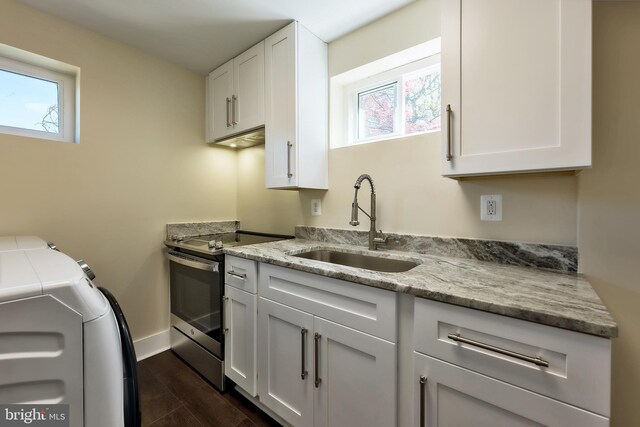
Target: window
(400,102)
(390,98)
(36,101)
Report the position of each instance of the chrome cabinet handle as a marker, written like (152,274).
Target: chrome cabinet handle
(537,360)
(289,145)
(423,386)
(449,141)
(303,371)
(240,276)
(225,330)
(234,108)
(316,340)
(228,105)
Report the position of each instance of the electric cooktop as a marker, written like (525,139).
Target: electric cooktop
(212,244)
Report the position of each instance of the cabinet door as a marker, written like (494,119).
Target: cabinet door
(285,376)
(220,87)
(517,75)
(248,89)
(240,338)
(357,378)
(280,110)
(450,396)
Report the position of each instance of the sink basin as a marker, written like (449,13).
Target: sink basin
(368,262)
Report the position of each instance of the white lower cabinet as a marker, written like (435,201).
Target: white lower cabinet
(313,372)
(479,369)
(447,395)
(285,343)
(240,338)
(322,352)
(357,374)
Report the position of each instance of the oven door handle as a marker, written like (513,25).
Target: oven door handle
(192,262)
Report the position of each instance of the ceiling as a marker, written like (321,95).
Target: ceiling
(203,34)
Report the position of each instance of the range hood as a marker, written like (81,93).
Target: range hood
(244,140)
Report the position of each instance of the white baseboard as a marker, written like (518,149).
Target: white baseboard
(152,345)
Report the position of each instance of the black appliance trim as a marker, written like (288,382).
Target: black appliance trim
(131,395)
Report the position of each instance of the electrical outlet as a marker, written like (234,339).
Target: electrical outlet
(316,207)
(491,208)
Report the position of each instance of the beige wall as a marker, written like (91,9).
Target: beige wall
(141,163)
(259,209)
(609,194)
(412,196)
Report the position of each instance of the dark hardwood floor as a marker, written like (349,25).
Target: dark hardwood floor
(174,395)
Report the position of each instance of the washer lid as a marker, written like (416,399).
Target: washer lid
(27,273)
(13,243)
(18,279)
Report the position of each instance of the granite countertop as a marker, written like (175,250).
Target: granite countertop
(563,300)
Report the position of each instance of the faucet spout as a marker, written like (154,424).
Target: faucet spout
(374,239)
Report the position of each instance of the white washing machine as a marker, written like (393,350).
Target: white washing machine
(62,339)
(14,243)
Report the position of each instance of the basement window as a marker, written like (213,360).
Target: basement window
(37,96)
(393,97)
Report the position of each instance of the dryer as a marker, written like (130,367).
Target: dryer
(62,339)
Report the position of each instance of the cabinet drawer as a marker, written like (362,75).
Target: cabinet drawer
(241,273)
(447,395)
(579,365)
(363,308)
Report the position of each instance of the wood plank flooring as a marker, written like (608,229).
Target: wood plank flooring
(174,395)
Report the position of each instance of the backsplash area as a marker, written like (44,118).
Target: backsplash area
(187,229)
(554,257)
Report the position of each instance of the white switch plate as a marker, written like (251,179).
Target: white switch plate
(491,207)
(316,207)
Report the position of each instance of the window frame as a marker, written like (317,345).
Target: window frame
(398,75)
(66,100)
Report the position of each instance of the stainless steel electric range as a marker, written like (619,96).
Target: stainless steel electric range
(197,289)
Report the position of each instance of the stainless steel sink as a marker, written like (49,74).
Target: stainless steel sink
(368,262)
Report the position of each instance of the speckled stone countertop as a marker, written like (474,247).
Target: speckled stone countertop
(551,298)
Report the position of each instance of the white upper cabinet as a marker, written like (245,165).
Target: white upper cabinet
(296,88)
(219,93)
(235,95)
(517,78)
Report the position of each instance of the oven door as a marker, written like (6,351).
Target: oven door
(196,299)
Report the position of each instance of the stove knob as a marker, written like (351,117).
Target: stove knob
(87,270)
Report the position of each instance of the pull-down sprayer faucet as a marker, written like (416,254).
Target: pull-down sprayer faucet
(375,238)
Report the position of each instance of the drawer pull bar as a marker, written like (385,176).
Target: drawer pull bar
(423,386)
(537,360)
(238,275)
(303,371)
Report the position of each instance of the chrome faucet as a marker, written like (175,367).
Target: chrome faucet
(375,238)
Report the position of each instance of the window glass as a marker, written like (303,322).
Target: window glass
(376,111)
(28,102)
(422,102)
